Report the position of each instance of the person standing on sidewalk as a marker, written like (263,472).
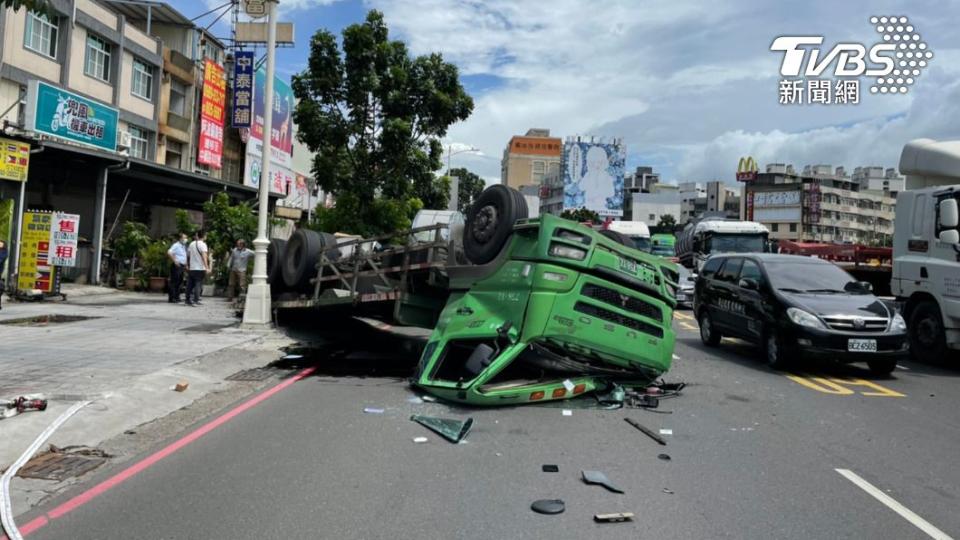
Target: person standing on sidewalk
(178,263)
(238,260)
(198,264)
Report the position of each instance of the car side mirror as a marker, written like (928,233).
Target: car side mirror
(865,285)
(949,218)
(750,284)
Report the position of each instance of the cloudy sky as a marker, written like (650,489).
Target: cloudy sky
(689,86)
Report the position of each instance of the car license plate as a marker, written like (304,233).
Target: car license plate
(627,265)
(862,345)
(681,297)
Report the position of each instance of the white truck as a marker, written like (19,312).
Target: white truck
(637,231)
(926,247)
(710,235)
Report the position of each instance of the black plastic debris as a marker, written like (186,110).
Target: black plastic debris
(551,468)
(646,431)
(665,457)
(600,479)
(548,506)
(448,428)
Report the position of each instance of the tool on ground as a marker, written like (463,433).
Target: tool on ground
(548,506)
(646,431)
(611,518)
(448,428)
(551,468)
(600,479)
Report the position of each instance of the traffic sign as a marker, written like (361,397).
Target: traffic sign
(255,8)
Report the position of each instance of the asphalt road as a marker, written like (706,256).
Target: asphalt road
(754,454)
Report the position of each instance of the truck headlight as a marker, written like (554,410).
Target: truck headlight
(898,325)
(805,318)
(567,252)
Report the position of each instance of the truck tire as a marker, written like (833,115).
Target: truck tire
(490,222)
(928,339)
(302,254)
(619,238)
(275,253)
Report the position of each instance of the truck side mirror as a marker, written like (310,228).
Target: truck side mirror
(948,214)
(950,236)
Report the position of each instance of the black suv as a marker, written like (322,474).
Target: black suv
(792,305)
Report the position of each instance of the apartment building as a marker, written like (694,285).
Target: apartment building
(823,204)
(708,198)
(529,159)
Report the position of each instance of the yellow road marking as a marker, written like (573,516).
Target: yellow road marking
(839,387)
(682,316)
(688,326)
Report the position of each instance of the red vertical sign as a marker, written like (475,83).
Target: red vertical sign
(212,105)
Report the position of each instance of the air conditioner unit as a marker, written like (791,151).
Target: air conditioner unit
(123,139)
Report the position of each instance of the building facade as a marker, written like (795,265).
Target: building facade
(530,159)
(642,180)
(708,198)
(650,207)
(823,204)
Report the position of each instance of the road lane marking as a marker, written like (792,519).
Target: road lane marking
(688,326)
(147,462)
(892,504)
(682,316)
(839,387)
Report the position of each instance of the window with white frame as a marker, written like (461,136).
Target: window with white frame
(40,34)
(178,97)
(138,142)
(97,64)
(142,85)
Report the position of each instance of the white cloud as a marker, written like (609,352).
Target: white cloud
(684,83)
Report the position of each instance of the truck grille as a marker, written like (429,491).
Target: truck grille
(616,318)
(849,323)
(622,301)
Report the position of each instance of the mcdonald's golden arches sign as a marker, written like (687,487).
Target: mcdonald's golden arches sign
(747,169)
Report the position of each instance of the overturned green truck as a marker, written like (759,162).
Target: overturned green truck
(522,310)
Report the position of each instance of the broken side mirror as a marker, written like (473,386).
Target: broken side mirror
(750,284)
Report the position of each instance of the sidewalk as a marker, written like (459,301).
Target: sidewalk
(125,358)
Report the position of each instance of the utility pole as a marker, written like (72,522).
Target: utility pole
(257,306)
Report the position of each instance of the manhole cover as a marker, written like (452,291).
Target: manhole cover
(53,466)
(43,320)
(207,328)
(255,374)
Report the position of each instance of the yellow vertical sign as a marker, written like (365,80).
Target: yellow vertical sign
(14,160)
(35,272)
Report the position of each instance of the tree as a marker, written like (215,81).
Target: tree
(40,6)
(224,224)
(667,223)
(471,185)
(580,215)
(374,116)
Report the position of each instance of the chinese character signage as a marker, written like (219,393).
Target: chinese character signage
(14,160)
(59,113)
(242,89)
(593,177)
(212,104)
(35,272)
(282,133)
(63,239)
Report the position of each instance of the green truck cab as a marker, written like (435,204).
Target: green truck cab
(663,245)
(560,310)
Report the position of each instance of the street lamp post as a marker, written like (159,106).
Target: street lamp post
(256,309)
(455,182)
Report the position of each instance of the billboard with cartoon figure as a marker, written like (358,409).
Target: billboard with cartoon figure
(593,177)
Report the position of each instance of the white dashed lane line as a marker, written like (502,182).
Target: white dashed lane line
(892,504)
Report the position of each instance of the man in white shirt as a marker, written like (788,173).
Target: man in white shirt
(178,264)
(198,264)
(238,261)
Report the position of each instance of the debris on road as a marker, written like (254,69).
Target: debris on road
(16,406)
(613,518)
(373,410)
(668,491)
(665,457)
(600,479)
(448,428)
(548,506)
(180,386)
(567,412)
(666,432)
(646,431)
(551,468)
(419,439)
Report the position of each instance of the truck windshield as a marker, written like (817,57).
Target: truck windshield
(641,242)
(734,243)
(811,277)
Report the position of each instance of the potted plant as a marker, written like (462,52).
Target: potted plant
(154,264)
(127,245)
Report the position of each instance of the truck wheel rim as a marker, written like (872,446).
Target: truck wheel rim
(485,224)
(927,332)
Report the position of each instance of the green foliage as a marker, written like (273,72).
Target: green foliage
(381,216)
(667,223)
(225,224)
(580,215)
(40,6)
(471,186)
(154,260)
(373,115)
(184,225)
(132,238)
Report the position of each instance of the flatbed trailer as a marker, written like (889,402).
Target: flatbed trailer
(866,263)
